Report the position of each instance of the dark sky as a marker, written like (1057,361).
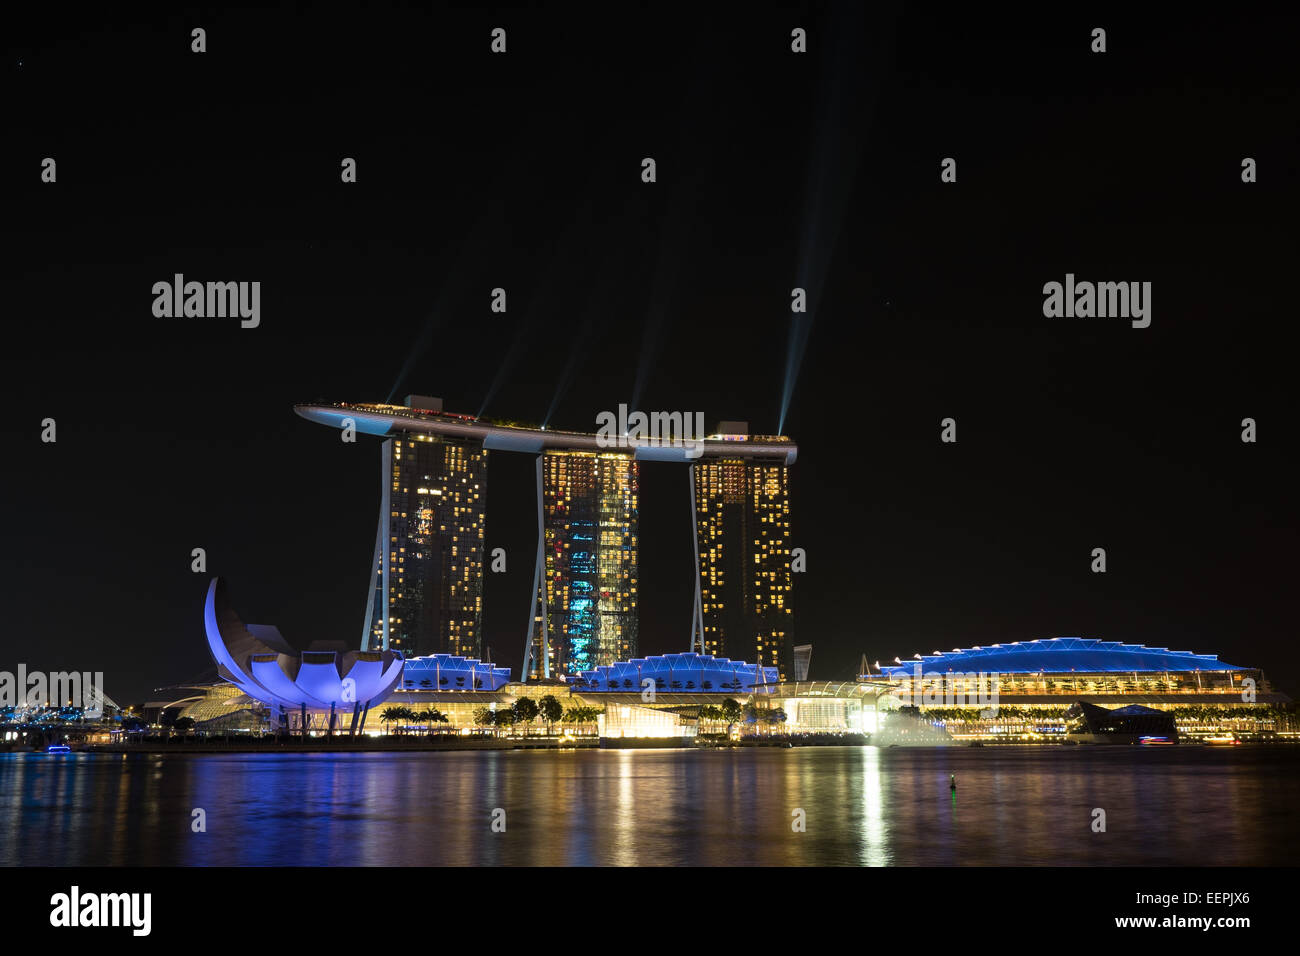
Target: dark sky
(774,170)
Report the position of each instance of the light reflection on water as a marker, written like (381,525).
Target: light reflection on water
(862,806)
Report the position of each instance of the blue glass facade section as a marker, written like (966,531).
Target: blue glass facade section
(582,606)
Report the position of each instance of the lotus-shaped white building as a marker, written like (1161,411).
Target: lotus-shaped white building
(256,659)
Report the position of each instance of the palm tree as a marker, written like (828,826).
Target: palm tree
(708,713)
(570,715)
(407,716)
(431,716)
(390,715)
(581,715)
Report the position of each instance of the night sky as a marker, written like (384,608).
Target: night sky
(774,170)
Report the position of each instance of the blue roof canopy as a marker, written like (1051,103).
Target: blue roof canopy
(452,672)
(1061,655)
(679,672)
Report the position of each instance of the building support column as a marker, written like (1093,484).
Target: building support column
(367,627)
(386,551)
(539,592)
(697,621)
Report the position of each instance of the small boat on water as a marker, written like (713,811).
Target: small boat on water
(1156,741)
(58,749)
(1223,740)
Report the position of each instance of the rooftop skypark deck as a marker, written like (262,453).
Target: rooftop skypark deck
(382,419)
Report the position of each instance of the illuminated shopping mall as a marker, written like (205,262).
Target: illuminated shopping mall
(1036,681)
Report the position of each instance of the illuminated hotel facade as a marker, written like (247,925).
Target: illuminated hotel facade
(587,601)
(426,592)
(744,603)
(425,596)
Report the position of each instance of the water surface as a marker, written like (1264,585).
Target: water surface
(860,806)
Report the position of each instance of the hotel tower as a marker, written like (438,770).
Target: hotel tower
(426,589)
(587,598)
(744,594)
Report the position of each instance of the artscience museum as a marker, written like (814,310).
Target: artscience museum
(324,678)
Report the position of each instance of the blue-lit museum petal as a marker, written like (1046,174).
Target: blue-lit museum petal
(217,643)
(252,658)
(277,687)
